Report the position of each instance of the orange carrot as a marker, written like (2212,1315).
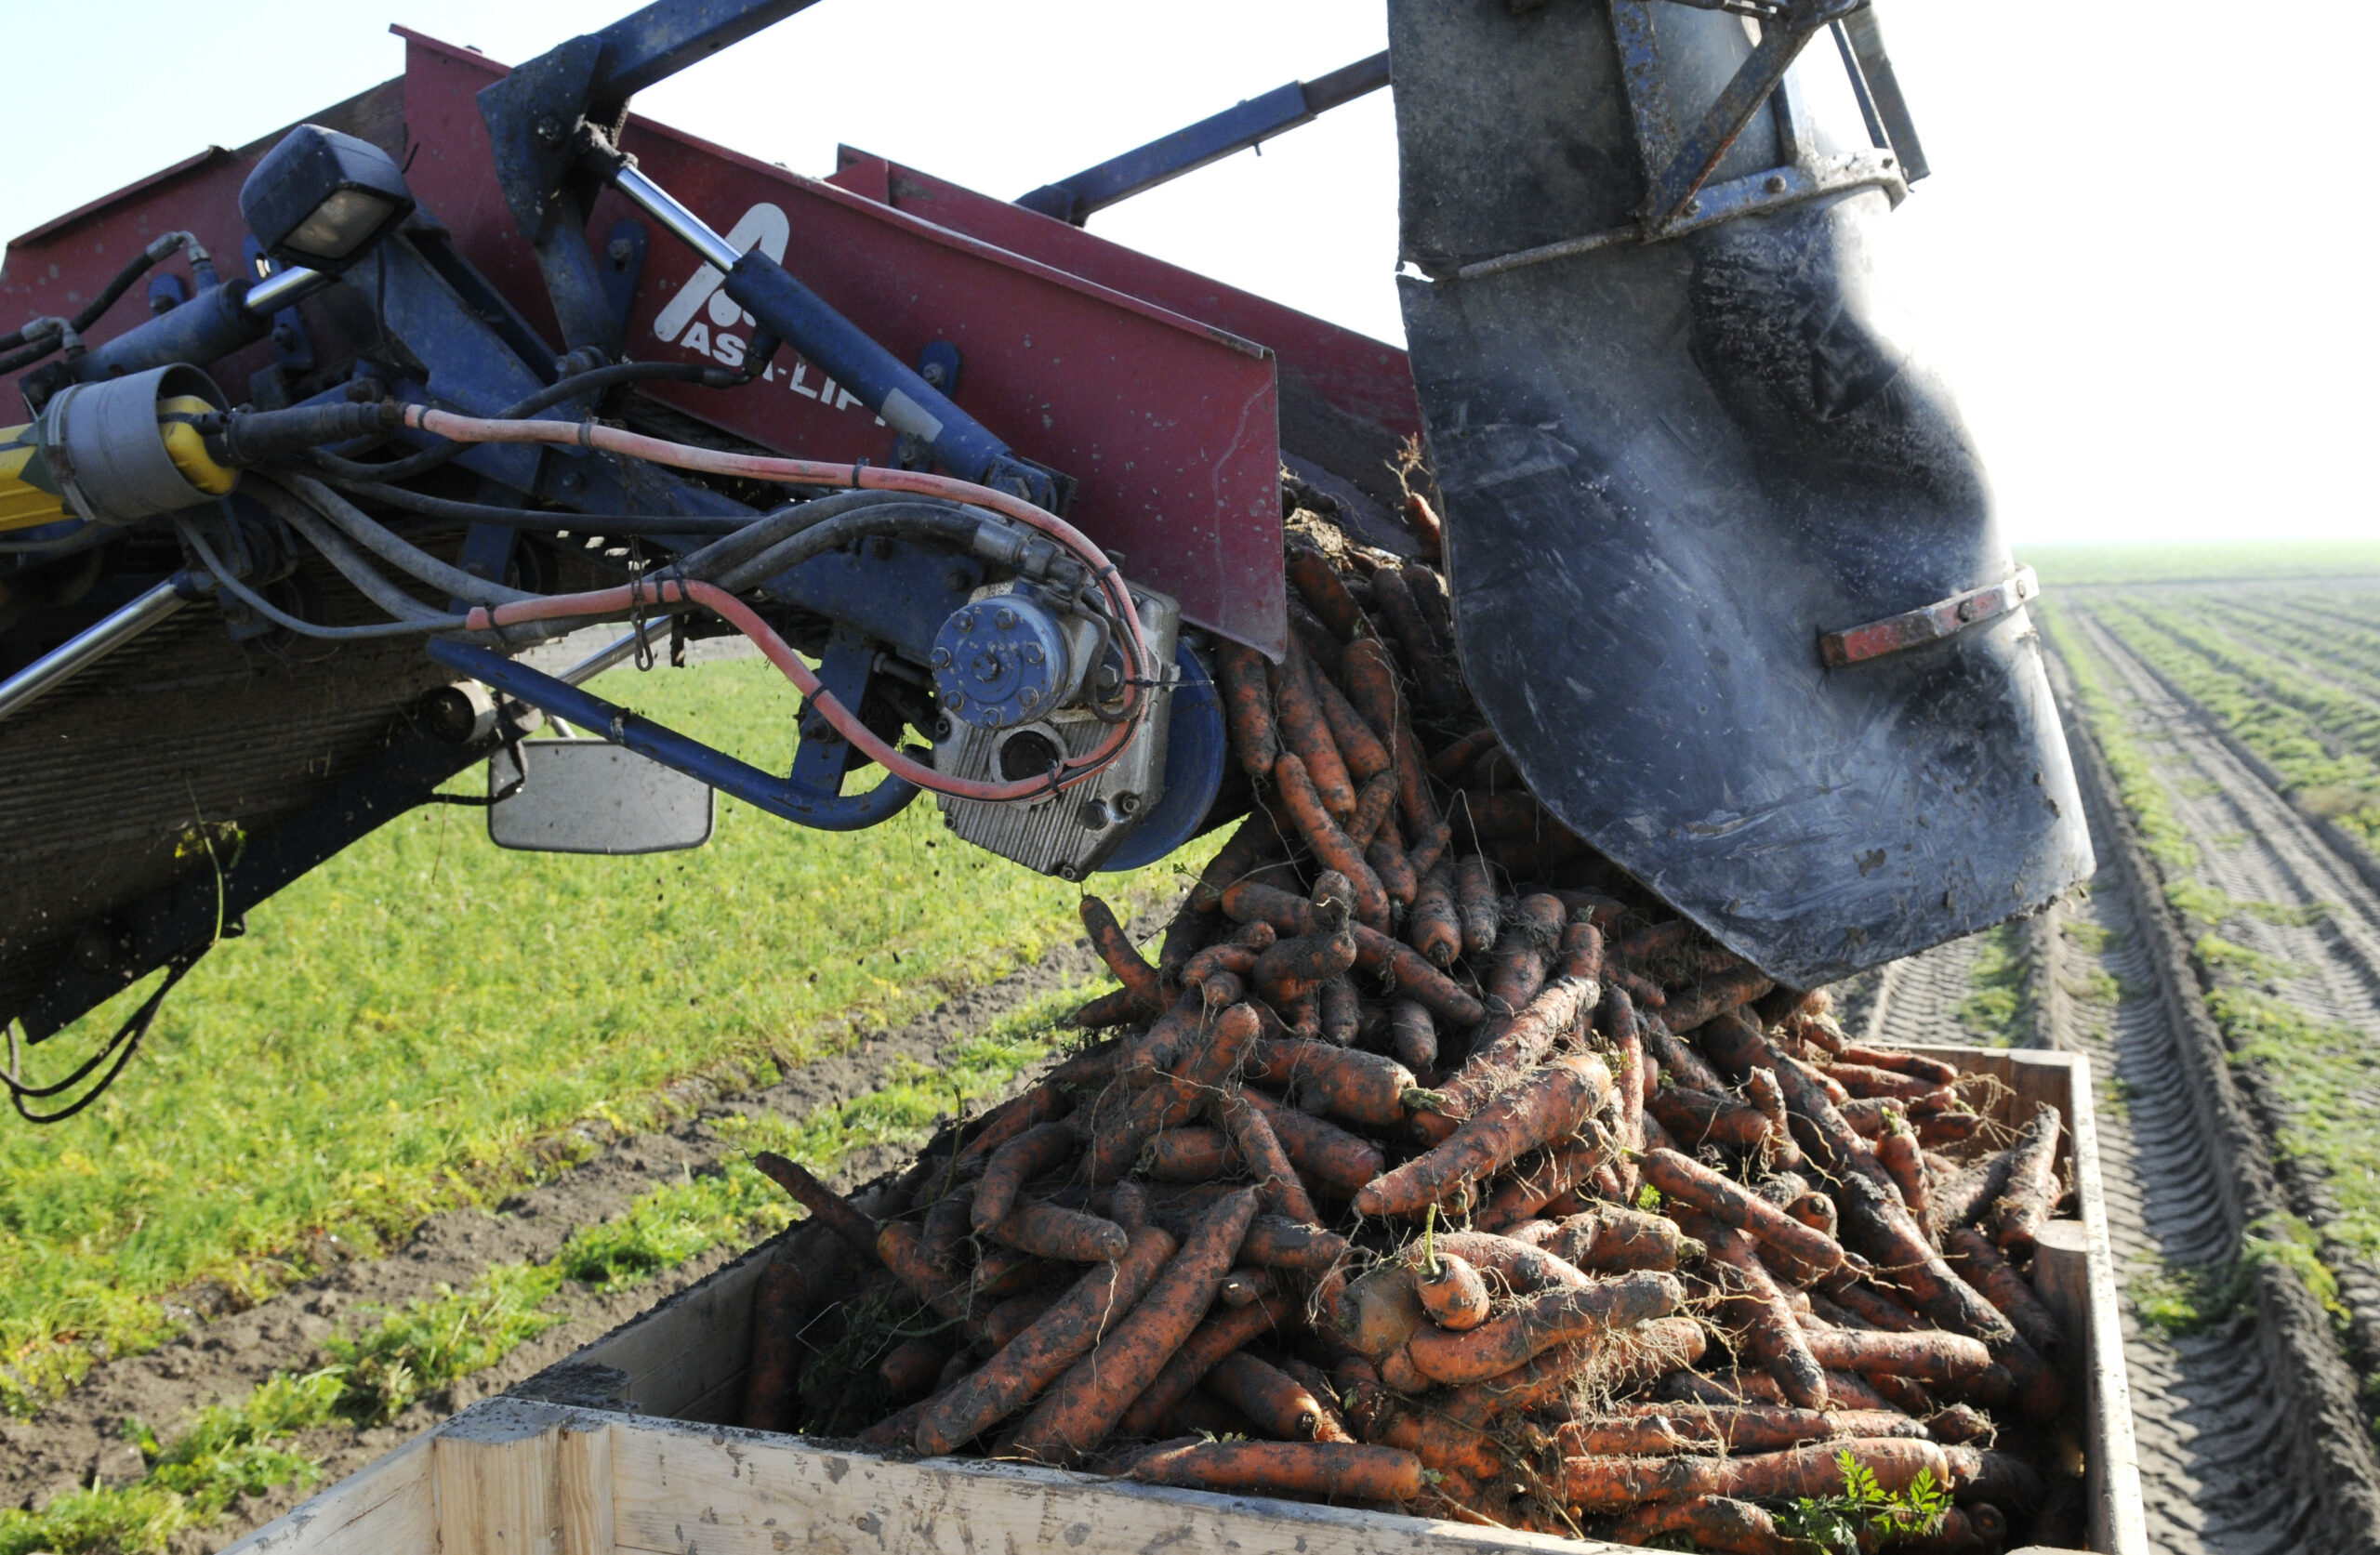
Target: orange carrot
(1449,763)
(1518,1265)
(1287,913)
(1229,957)
(1386,853)
(1284,1407)
(1446,1446)
(1276,1243)
(1305,733)
(1523,1040)
(1697,1118)
(1256,842)
(1361,1088)
(1223,1333)
(1116,948)
(1752,1303)
(1041,1354)
(1611,1240)
(1040,1149)
(1205,1067)
(1395,600)
(1932,1071)
(1157,1050)
(1973,1256)
(1253,1141)
(1185,1156)
(1243,1287)
(1434,926)
(1430,849)
(1815,1471)
(1402,965)
(1476,903)
(1717,995)
(1314,1471)
(1342,1012)
(1247,708)
(1413,1035)
(1731,1204)
(831,1209)
(1303,800)
(1326,1156)
(1311,574)
(1897,1151)
(1550,1104)
(2024,1204)
(992,1331)
(1452,1293)
(1414,800)
(1718,1522)
(1370,678)
(1076,1414)
(1761,1088)
(909,1368)
(1950,1360)
(1049,1231)
(1539,1322)
(1294,968)
(900,1247)
(1367,759)
(1041,1104)
(1883,1085)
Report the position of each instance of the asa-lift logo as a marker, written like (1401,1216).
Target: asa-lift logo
(715,333)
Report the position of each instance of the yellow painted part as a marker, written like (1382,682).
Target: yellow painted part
(187,450)
(23,505)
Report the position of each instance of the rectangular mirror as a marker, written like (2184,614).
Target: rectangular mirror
(584,796)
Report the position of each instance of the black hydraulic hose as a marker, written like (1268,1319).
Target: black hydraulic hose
(915,518)
(392,549)
(139,266)
(531,518)
(265,608)
(705,565)
(572,388)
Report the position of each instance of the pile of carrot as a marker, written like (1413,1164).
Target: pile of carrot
(1434,1164)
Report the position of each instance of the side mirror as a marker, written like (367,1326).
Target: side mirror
(593,797)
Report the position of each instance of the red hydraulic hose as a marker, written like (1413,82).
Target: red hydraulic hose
(806,472)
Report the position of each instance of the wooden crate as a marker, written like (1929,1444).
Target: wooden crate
(657,1469)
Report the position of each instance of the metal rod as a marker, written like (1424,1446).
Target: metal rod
(54,668)
(284,288)
(681,223)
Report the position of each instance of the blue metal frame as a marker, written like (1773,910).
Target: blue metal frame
(1194,752)
(781,797)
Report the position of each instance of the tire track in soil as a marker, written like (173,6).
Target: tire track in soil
(77,1438)
(2255,848)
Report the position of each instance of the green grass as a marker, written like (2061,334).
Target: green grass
(1996,998)
(415,1025)
(248,1446)
(2152,562)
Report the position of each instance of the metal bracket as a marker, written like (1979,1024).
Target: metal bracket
(1932,623)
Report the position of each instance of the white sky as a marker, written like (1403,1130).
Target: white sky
(2138,257)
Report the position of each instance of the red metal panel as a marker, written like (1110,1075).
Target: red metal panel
(1170,425)
(1362,376)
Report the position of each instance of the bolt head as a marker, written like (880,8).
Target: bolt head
(954,702)
(620,251)
(966,620)
(1776,183)
(957,579)
(1031,654)
(987,667)
(1005,619)
(1029,697)
(939,658)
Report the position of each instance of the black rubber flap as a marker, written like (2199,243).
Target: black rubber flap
(1667,470)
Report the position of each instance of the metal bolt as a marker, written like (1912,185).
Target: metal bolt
(1094,816)
(1775,183)
(1693,208)
(572,481)
(954,702)
(1029,697)
(1128,804)
(966,620)
(987,665)
(1005,619)
(932,374)
(957,579)
(620,251)
(939,657)
(551,131)
(1031,654)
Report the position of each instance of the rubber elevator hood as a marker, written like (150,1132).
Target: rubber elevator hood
(1667,469)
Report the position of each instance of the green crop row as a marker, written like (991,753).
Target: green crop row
(252,1445)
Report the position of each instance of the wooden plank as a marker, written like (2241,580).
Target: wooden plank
(584,1487)
(386,1505)
(680,1489)
(498,1471)
(2117,1523)
(687,1356)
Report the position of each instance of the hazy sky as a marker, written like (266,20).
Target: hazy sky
(2136,256)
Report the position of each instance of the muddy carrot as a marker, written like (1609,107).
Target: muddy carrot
(1123,958)
(1933,1070)
(1157,1050)
(1731,1204)
(1897,1151)
(1076,1414)
(1185,1156)
(1256,842)
(1327,1156)
(1365,756)
(1190,930)
(1042,1148)
(1973,1256)
(1814,1470)
(1525,950)
(1449,764)
(1242,1286)
(1695,1117)
(1550,1104)
(1311,1471)
(1211,1061)
(1476,903)
(1305,733)
(1434,926)
(1452,1292)
(1414,799)
(1294,968)
(946,1228)
(1049,1231)
(1516,1264)
(1312,575)
(1253,1141)
(1342,1012)
(1403,966)
(1685,1062)
(1332,847)
(1247,708)
(1261,901)
(1043,1103)
(1221,1333)
(1872,1307)
(1117,1006)
(1358,1087)
(1370,677)
(1041,1354)
(1948,1360)
(1753,1304)
(1720,1523)
(1610,1240)
(1434,675)
(1230,956)
(1967,1196)
(1644,991)
(1413,1035)
(2025,1203)
(1390,861)
(1526,1038)
(1429,848)
(831,1209)
(1284,1407)
(900,1247)
(781,1301)
(1274,1242)
(1539,1322)
(992,1330)
(1885,1085)
(911,1368)
(1715,995)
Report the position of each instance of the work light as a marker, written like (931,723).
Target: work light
(321,198)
